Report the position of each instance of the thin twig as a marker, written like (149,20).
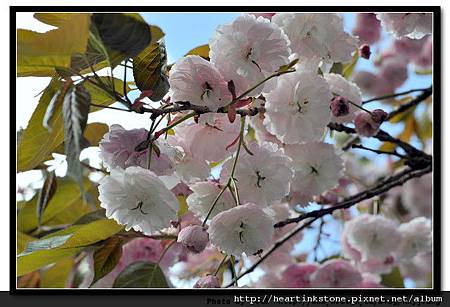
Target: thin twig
(396,95)
(393,153)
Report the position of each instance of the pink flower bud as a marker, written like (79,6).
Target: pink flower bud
(194,238)
(365,124)
(209,281)
(339,106)
(364,51)
(327,198)
(379,116)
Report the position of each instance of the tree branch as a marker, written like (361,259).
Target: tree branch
(397,94)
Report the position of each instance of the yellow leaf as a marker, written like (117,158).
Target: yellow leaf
(56,276)
(94,132)
(36,142)
(348,69)
(39,53)
(67,195)
(183,208)
(202,51)
(22,241)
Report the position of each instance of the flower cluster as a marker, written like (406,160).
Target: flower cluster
(259,151)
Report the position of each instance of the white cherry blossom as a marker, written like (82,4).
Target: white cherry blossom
(262,178)
(242,229)
(416,238)
(317,168)
(298,109)
(248,50)
(374,236)
(137,198)
(203,196)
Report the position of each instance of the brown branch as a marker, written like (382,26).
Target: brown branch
(426,93)
(380,188)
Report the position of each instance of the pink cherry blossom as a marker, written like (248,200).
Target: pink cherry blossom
(336,273)
(298,275)
(209,281)
(194,238)
(365,124)
(368,28)
(264,176)
(297,110)
(209,142)
(314,35)
(197,81)
(412,25)
(248,50)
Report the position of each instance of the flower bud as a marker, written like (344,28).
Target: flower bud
(339,106)
(379,116)
(365,124)
(194,238)
(364,51)
(209,281)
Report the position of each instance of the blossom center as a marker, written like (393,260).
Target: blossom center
(260,178)
(207,89)
(252,57)
(139,207)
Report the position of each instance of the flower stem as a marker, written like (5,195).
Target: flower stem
(220,265)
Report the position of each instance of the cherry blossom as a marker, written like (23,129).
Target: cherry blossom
(203,196)
(194,238)
(412,25)
(298,275)
(347,89)
(208,142)
(314,35)
(417,196)
(138,199)
(297,110)
(242,229)
(368,28)
(209,281)
(248,50)
(416,238)
(374,236)
(263,176)
(317,169)
(197,81)
(336,273)
(117,149)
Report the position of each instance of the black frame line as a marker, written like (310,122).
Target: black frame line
(437,150)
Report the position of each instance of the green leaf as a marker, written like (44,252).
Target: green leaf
(348,69)
(96,215)
(57,99)
(75,112)
(36,143)
(45,194)
(149,71)
(107,257)
(57,275)
(100,96)
(122,35)
(141,275)
(38,54)
(393,280)
(202,51)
